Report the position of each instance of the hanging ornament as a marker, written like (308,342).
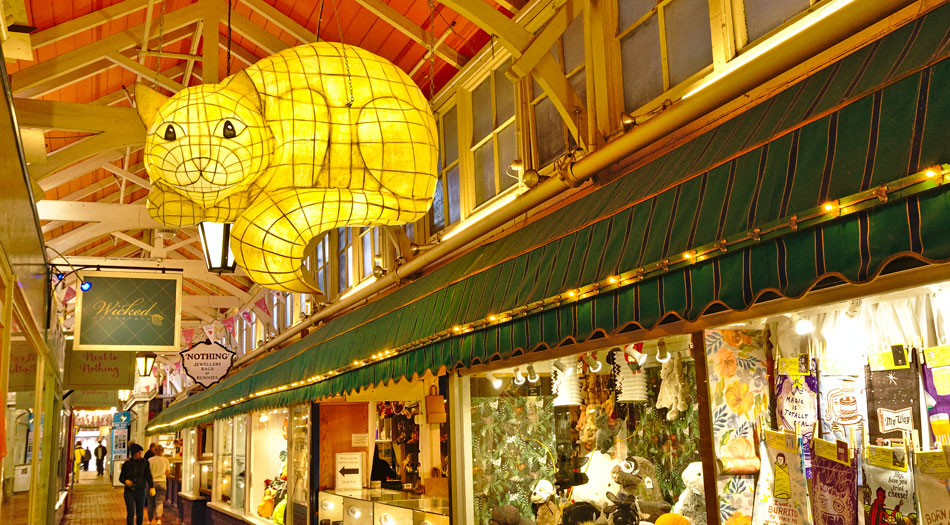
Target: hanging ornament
(566,384)
(630,380)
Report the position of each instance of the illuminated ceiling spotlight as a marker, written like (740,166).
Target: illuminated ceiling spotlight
(802,326)
(495,381)
(533,376)
(561,367)
(519,377)
(592,363)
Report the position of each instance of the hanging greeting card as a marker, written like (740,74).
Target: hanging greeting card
(888,487)
(796,406)
(843,411)
(781,496)
(937,389)
(932,476)
(893,408)
(834,495)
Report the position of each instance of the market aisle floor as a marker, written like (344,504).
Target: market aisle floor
(95,502)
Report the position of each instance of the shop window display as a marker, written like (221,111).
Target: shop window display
(396,461)
(189,461)
(606,436)
(300,437)
(230,462)
(268,464)
(859,420)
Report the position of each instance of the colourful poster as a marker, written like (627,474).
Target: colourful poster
(796,408)
(834,495)
(888,487)
(781,496)
(932,477)
(843,411)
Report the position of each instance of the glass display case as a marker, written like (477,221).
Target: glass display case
(382,507)
(553,435)
(239,486)
(189,461)
(223,460)
(268,465)
(300,439)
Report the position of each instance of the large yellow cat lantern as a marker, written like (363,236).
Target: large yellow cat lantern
(304,141)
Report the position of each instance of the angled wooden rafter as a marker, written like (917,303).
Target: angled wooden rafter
(46,174)
(413,31)
(547,72)
(279,19)
(86,22)
(144,72)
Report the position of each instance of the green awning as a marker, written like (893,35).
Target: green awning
(871,118)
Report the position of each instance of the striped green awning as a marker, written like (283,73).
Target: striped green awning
(869,119)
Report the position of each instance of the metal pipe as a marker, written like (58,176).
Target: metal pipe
(847,20)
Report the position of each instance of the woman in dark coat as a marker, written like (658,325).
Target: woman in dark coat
(137,478)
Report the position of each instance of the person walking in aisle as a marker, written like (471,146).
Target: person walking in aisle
(86,457)
(151,450)
(101,452)
(137,478)
(78,453)
(159,466)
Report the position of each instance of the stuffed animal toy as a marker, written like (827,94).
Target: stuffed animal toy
(622,509)
(692,501)
(548,511)
(582,513)
(508,515)
(672,393)
(600,483)
(637,476)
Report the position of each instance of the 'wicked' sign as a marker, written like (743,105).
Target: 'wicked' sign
(206,363)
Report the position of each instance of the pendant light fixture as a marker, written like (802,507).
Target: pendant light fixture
(216,245)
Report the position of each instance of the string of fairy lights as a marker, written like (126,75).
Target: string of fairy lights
(909,186)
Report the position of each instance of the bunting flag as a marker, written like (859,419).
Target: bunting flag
(246,314)
(261,305)
(229,325)
(209,331)
(187,335)
(280,297)
(70,293)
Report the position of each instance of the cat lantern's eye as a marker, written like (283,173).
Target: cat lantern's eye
(229,128)
(170,131)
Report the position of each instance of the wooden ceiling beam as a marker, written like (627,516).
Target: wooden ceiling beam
(211,13)
(257,34)
(192,49)
(46,174)
(145,73)
(246,56)
(409,28)
(133,241)
(284,22)
(122,216)
(547,37)
(127,175)
(70,116)
(84,56)
(86,22)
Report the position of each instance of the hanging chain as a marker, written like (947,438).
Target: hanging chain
(228,66)
(161,34)
(346,61)
(320,20)
(431,49)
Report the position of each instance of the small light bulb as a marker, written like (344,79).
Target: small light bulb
(519,377)
(327,505)
(495,382)
(611,280)
(354,512)
(804,327)
(85,286)
(571,293)
(490,318)
(930,173)
(533,376)
(687,255)
(386,519)
(264,418)
(829,206)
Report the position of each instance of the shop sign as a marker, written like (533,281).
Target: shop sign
(93,399)
(349,470)
(206,363)
(99,370)
(120,434)
(22,367)
(92,419)
(128,312)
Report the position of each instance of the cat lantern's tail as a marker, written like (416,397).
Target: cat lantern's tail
(271,238)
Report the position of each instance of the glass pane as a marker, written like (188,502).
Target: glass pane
(504,94)
(451,134)
(640,61)
(224,433)
(481,111)
(484,173)
(268,459)
(437,213)
(300,439)
(507,152)
(455,201)
(762,16)
(629,11)
(368,254)
(240,468)
(411,230)
(688,39)
(573,41)
(188,462)
(550,128)
(344,274)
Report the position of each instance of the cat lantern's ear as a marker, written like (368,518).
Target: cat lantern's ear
(241,84)
(148,102)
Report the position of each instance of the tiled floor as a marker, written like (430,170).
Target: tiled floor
(95,502)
